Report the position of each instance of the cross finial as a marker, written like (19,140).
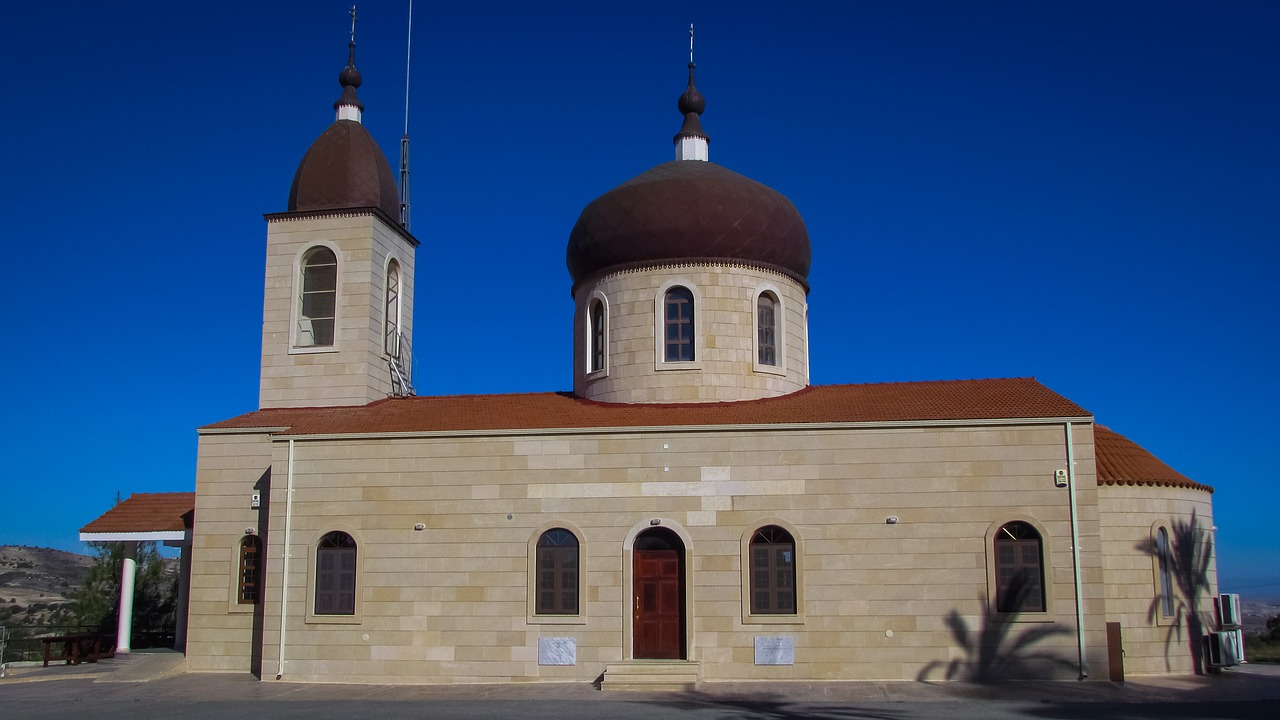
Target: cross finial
(353,24)
(690,43)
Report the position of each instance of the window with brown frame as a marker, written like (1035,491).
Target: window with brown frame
(1019,569)
(773,572)
(318,298)
(766,338)
(597,335)
(250,575)
(678,323)
(336,575)
(557,568)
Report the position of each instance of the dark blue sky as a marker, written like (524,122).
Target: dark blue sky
(1085,192)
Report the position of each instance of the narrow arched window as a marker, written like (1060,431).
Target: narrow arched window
(1019,569)
(597,332)
(766,334)
(557,568)
(317,298)
(678,323)
(250,575)
(392,328)
(1164,559)
(336,575)
(773,572)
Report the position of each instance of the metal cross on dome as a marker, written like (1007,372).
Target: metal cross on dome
(353,24)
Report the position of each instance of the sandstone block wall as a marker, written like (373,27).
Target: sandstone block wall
(451,603)
(725,366)
(354,370)
(1130,514)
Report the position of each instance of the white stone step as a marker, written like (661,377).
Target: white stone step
(651,675)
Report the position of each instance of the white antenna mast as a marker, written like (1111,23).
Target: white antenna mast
(404,141)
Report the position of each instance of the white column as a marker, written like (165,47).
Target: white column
(128,571)
(180,610)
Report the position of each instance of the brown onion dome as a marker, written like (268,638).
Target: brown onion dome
(345,168)
(689,211)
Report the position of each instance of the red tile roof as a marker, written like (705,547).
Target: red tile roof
(147,512)
(887,402)
(1122,461)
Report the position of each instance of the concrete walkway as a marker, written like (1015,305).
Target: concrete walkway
(1247,691)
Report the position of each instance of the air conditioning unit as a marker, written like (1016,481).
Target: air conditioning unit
(1228,607)
(1221,649)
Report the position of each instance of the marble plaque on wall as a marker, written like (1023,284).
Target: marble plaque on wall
(775,650)
(557,651)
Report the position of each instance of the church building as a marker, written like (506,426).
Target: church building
(694,510)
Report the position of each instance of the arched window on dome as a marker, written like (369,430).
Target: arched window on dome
(766,329)
(596,336)
(391,344)
(678,325)
(317,298)
(1019,556)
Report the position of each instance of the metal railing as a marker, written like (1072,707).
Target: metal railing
(400,362)
(21,643)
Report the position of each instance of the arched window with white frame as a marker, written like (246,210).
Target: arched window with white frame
(392,327)
(317,298)
(597,335)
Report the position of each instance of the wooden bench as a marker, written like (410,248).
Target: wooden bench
(75,648)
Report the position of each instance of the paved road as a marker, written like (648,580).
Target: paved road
(1248,693)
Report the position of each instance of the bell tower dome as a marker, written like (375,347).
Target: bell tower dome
(690,283)
(337,315)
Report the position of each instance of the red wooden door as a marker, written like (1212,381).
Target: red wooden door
(658,629)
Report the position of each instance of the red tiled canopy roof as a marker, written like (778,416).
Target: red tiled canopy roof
(147,512)
(888,402)
(1122,461)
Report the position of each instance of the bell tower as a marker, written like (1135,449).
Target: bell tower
(337,315)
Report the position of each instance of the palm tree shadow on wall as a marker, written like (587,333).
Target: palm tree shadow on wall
(995,652)
(1188,558)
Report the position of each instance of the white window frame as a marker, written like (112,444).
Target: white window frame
(295,302)
(589,336)
(779,331)
(392,261)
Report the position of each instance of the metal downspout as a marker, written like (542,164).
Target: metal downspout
(1075,551)
(284,581)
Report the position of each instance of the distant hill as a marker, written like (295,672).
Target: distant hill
(36,584)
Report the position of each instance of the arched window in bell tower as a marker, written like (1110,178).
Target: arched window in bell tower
(317,298)
(391,344)
(678,325)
